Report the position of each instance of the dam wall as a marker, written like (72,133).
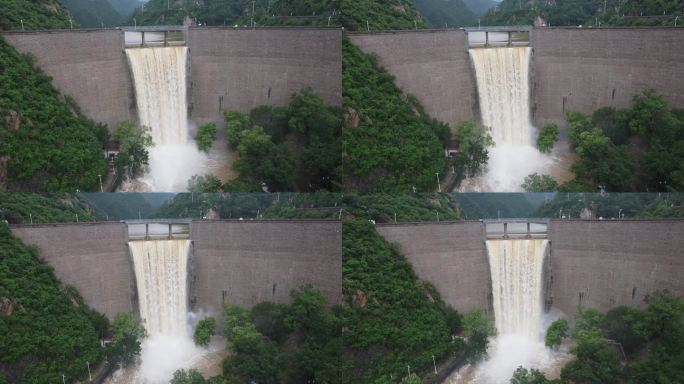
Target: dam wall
(246,262)
(434,66)
(584,69)
(232,68)
(88,65)
(603,264)
(450,255)
(93,257)
(241,69)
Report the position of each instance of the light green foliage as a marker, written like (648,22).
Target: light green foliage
(602,164)
(381,15)
(24,208)
(206,134)
(477,328)
(43,322)
(204,331)
(191,376)
(533,376)
(204,184)
(411,379)
(128,333)
(133,143)
(46,143)
(473,143)
(558,330)
(586,319)
(539,183)
(547,137)
(388,144)
(265,162)
(577,124)
(597,361)
(234,317)
(35,14)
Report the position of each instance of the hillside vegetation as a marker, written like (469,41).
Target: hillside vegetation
(35,14)
(45,143)
(446,13)
(93,13)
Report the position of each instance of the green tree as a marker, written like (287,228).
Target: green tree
(128,333)
(204,331)
(533,376)
(602,163)
(586,319)
(411,379)
(473,143)
(477,328)
(558,330)
(269,320)
(191,376)
(539,183)
(577,124)
(234,317)
(204,184)
(206,134)
(236,123)
(133,142)
(263,161)
(255,359)
(547,137)
(597,362)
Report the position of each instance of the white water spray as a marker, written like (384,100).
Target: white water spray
(159,75)
(503,87)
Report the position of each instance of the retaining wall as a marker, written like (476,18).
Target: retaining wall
(434,66)
(93,257)
(450,255)
(245,262)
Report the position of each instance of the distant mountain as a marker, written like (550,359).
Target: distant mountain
(480,7)
(445,13)
(125,7)
(93,13)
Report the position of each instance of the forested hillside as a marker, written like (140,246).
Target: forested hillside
(27,208)
(47,331)
(93,13)
(446,13)
(35,14)
(45,143)
(586,12)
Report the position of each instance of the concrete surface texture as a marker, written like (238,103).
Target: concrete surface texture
(603,264)
(88,65)
(586,69)
(246,262)
(93,257)
(241,69)
(434,66)
(450,255)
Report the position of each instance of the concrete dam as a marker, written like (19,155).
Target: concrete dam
(113,264)
(579,69)
(596,263)
(238,69)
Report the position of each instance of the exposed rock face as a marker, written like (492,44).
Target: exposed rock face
(13,120)
(212,215)
(351,118)
(6,306)
(587,214)
(360,298)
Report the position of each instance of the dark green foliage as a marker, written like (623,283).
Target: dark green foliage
(557,331)
(614,123)
(473,153)
(191,376)
(272,120)
(204,331)
(533,376)
(547,137)
(46,144)
(477,328)
(622,325)
(128,333)
(597,361)
(380,14)
(442,14)
(255,359)
(206,134)
(36,14)
(47,330)
(269,320)
(388,144)
(24,208)
(93,13)
(393,319)
(386,208)
(204,184)
(539,183)
(133,143)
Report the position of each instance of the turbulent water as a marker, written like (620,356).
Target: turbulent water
(516,270)
(504,94)
(161,277)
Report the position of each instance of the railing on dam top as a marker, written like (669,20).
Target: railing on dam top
(158,229)
(516,228)
(505,36)
(154,36)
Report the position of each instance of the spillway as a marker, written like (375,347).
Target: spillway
(159,76)
(502,76)
(161,277)
(516,271)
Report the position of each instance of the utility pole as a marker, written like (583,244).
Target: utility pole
(90,377)
(101,189)
(252,13)
(434,364)
(63,379)
(71,23)
(367,26)
(77,217)
(439,186)
(31,217)
(408,368)
(22,24)
(329,17)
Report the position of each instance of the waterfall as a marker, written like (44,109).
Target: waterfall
(503,87)
(161,276)
(160,90)
(516,269)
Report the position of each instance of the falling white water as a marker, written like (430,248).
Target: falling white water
(161,277)
(516,270)
(503,87)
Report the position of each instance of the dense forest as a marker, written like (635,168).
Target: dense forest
(46,144)
(588,13)
(93,13)
(34,14)
(29,208)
